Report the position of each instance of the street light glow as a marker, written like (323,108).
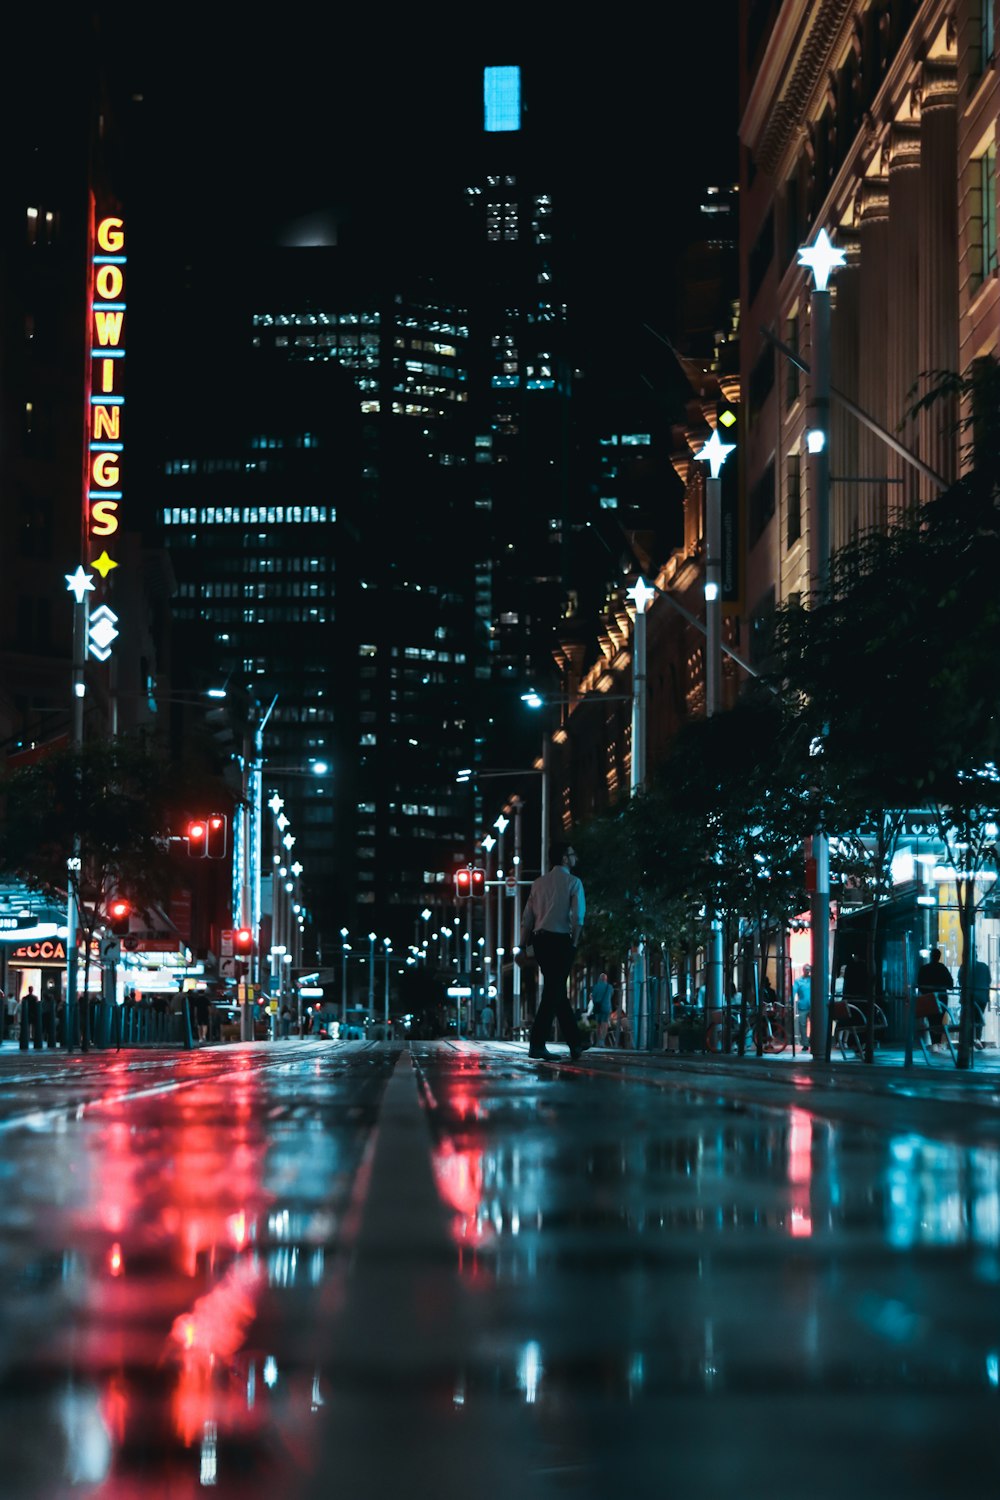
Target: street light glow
(79,583)
(532,699)
(821,257)
(642,595)
(715,452)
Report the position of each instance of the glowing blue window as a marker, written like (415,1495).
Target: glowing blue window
(502,98)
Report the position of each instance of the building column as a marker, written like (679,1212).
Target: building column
(873,299)
(903,295)
(937,321)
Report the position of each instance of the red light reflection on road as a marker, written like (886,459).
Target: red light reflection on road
(800,1173)
(459,1174)
(206,1340)
(177,1201)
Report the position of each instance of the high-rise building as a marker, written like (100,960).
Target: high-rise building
(388,523)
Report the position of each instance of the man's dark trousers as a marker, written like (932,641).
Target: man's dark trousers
(554,951)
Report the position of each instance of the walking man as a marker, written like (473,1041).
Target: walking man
(551,927)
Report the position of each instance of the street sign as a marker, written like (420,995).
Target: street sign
(226,942)
(511,884)
(111,949)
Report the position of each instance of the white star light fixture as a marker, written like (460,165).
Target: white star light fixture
(821,257)
(642,595)
(715,452)
(276,803)
(79,583)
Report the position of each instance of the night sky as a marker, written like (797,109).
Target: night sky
(256,118)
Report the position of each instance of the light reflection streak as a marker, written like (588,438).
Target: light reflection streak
(800,1168)
(529,1371)
(938,1193)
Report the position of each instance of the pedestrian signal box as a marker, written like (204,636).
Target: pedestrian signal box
(197,838)
(215,836)
(119,912)
(469,883)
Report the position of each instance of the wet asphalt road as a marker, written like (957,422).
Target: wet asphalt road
(310,1269)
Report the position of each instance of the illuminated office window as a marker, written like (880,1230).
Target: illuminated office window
(502,98)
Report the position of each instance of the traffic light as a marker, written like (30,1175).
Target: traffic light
(243,942)
(469,883)
(119,911)
(197,838)
(215,838)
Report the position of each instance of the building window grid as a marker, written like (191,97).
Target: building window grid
(793,499)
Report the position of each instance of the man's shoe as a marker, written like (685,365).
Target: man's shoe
(540,1054)
(578,1050)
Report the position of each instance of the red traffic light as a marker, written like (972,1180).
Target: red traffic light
(215,836)
(478,882)
(463,884)
(119,912)
(242,940)
(197,838)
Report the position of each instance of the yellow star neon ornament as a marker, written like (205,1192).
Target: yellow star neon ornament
(104,564)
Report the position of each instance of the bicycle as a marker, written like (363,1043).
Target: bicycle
(766,1029)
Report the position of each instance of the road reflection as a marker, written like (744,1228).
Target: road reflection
(184,1244)
(679,1241)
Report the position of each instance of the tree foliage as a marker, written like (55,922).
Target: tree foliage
(720,830)
(109,802)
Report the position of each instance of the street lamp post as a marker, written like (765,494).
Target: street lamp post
(388,949)
(371,975)
(821,258)
(714,453)
(489,844)
(501,825)
(642,596)
(516,1003)
(345,949)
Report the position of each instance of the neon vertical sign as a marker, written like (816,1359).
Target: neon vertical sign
(105,435)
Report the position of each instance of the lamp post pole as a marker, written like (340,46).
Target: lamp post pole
(79,687)
(516,999)
(714,453)
(821,258)
(388,949)
(345,949)
(489,844)
(642,596)
(543,858)
(371,976)
(501,825)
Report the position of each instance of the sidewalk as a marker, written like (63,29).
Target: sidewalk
(938,1080)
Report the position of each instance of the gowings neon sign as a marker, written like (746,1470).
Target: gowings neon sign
(105,442)
(107,365)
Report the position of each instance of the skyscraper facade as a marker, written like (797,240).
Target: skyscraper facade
(386,527)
